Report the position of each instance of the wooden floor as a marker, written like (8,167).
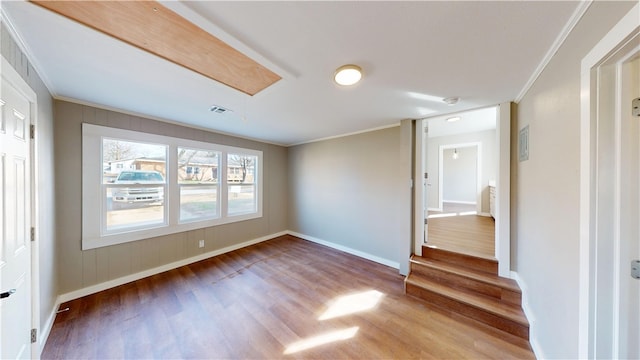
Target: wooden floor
(458,229)
(284,298)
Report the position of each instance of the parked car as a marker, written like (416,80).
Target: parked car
(123,197)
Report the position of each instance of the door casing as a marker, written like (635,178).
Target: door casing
(596,246)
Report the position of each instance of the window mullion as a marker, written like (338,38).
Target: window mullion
(172,202)
(224,194)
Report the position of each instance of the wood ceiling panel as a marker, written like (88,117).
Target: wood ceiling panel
(152,27)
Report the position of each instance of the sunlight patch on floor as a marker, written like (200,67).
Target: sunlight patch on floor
(350,304)
(464,213)
(333,336)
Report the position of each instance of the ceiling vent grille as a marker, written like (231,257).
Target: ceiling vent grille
(218,109)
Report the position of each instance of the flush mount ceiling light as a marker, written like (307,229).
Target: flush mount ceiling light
(451,100)
(347,75)
(453,119)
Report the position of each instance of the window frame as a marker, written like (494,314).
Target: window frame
(218,212)
(94,204)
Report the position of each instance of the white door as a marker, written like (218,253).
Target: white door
(629,182)
(15,222)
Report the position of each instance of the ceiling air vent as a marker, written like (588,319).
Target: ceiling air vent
(218,109)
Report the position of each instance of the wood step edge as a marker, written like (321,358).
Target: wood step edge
(488,265)
(477,275)
(496,307)
(461,254)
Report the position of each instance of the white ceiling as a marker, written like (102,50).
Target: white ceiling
(412,53)
(469,122)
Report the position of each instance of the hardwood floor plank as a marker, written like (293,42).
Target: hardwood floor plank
(262,302)
(466,234)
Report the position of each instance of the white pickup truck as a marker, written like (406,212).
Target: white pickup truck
(128,196)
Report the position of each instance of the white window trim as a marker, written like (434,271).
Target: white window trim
(94,205)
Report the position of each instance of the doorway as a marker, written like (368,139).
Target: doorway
(461,161)
(610,198)
(497,191)
(458,223)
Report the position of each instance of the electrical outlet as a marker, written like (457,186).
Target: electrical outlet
(201,243)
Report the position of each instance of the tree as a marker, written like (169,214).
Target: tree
(187,157)
(244,161)
(184,158)
(114,150)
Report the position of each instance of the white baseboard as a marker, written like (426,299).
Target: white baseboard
(485,214)
(434,209)
(348,250)
(176,264)
(533,330)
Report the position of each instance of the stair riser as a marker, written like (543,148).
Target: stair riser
(471,262)
(458,281)
(491,319)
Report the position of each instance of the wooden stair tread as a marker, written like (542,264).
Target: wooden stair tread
(491,305)
(461,252)
(476,275)
(487,265)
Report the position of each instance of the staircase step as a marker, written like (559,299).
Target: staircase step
(501,315)
(467,278)
(469,261)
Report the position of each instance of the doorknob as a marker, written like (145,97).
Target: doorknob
(6,294)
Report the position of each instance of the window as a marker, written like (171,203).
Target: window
(198,192)
(157,185)
(134,198)
(241,183)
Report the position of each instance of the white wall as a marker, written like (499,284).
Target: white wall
(545,191)
(459,175)
(45,217)
(489,168)
(348,191)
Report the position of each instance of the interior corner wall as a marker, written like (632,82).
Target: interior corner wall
(546,194)
(348,191)
(81,269)
(489,144)
(45,217)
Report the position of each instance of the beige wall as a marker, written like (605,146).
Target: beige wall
(45,217)
(79,269)
(546,197)
(349,191)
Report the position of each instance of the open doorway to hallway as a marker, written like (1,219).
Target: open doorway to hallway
(460,153)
